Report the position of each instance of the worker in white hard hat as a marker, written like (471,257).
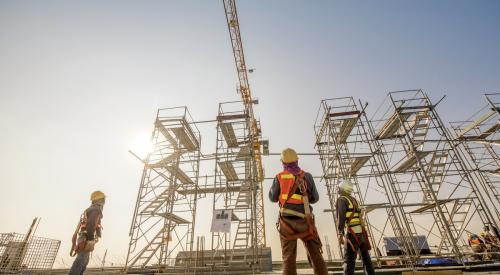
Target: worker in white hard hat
(87,233)
(351,232)
(294,190)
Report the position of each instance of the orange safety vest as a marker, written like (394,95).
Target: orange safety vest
(286,181)
(474,240)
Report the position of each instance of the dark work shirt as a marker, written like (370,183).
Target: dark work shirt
(275,191)
(94,215)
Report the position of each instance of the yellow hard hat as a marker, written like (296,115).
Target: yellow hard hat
(289,155)
(97,195)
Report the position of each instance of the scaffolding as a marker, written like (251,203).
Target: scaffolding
(435,183)
(167,199)
(409,174)
(346,152)
(164,216)
(27,253)
(479,135)
(238,189)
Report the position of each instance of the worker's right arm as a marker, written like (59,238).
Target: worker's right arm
(341,211)
(274,192)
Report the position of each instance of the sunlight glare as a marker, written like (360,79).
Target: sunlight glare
(141,145)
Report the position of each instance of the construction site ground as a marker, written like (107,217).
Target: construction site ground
(304,269)
(309,271)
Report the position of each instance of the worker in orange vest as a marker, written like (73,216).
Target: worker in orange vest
(474,239)
(477,245)
(295,190)
(87,233)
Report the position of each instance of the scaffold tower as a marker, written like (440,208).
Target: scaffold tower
(164,216)
(346,152)
(236,185)
(412,178)
(479,135)
(435,183)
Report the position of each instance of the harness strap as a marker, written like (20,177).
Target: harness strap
(349,228)
(291,234)
(75,246)
(74,239)
(284,210)
(351,244)
(305,198)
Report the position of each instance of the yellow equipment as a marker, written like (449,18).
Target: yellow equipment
(246,95)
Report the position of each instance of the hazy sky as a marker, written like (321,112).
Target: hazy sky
(80,82)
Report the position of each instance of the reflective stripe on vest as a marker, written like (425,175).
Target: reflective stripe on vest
(286,181)
(355,222)
(294,197)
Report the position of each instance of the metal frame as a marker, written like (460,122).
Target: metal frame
(237,185)
(165,212)
(431,169)
(479,136)
(345,150)
(27,253)
(405,153)
(254,134)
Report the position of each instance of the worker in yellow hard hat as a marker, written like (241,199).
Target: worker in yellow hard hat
(488,237)
(87,233)
(355,239)
(295,190)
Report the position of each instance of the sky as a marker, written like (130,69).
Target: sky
(80,83)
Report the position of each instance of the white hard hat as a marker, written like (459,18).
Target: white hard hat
(346,186)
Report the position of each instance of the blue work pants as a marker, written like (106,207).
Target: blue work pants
(80,263)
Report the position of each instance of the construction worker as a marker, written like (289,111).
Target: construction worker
(355,239)
(295,190)
(87,233)
(488,237)
(476,244)
(473,239)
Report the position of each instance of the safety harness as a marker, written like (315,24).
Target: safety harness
(80,244)
(354,224)
(287,231)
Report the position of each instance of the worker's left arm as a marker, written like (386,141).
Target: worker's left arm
(98,230)
(311,189)
(93,219)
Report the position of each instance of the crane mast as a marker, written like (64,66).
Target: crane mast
(255,132)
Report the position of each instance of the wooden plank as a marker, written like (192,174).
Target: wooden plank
(350,113)
(232,117)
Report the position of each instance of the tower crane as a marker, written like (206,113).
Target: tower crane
(255,131)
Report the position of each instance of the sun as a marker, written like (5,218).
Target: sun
(141,145)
